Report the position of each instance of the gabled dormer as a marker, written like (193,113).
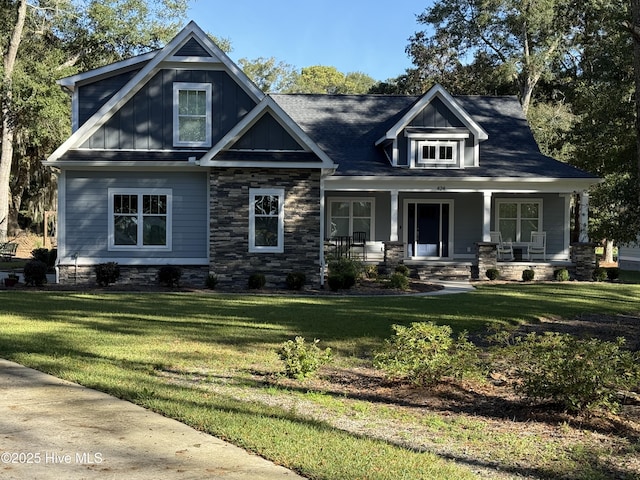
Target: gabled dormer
(436,132)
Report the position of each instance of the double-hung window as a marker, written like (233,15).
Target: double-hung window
(516,219)
(266,220)
(139,219)
(348,215)
(191,114)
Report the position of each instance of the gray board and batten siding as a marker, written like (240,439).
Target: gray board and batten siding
(145,122)
(87,207)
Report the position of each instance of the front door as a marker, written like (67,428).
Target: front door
(428,229)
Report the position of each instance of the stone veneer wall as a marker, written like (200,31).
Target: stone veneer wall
(230,260)
(139,275)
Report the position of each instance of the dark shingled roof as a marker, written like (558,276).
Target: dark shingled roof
(346,127)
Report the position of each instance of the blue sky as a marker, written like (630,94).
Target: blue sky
(351,35)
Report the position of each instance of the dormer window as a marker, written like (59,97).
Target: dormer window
(437,152)
(191,114)
(436,148)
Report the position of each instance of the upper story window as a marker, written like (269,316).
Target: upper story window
(430,152)
(191,114)
(266,220)
(139,219)
(443,149)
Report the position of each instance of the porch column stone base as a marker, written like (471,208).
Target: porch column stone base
(486,258)
(583,256)
(393,254)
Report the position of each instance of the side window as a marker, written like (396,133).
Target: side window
(139,219)
(266,220)
(191,114)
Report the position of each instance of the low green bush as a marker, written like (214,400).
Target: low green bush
(399,280)
(257,281)
(343,273)
(561,275)
(302,359)
(35,273)
(579,374)
(493,274)
(296,280)
(600,274)
(107,273)
(403,269)
(371,271)
(45,256)
(613,273)
(424,352)
(212,281)
(170,275)
(528,275)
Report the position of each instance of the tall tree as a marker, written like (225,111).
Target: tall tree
(328,80)
(524,37)
(269,74)
(8,126)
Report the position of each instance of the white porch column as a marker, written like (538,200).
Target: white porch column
(486,217)
(394,216)
(584,217)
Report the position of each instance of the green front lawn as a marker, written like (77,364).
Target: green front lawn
(199,358)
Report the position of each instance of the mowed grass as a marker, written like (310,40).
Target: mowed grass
(135,345)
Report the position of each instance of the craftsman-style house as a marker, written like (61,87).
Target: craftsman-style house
(177,158)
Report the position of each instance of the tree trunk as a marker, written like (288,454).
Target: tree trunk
(634,28)
(607,258)
(6,155)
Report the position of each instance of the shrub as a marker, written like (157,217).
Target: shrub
(493,274)
(107,273)
(399,281)
(561,275)
(211,281)
(403,270)
(46,256)
(35,273)
(424,352)
(613,273)
(600,274)
(257,281)
(343,273)
(169,275)
(302,359)
(580,374)
(296,280)
(371,271)
(528,275)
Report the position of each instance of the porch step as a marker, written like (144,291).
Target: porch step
(458,271)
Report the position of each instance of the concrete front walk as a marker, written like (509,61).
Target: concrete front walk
(53,429)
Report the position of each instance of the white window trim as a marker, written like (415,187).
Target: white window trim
(253,193)
(501,201)
(372,200)
(177,88)
(140,192)
(415,151)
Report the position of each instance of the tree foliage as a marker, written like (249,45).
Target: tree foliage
(328,80)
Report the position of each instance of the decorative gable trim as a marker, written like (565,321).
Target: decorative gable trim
(436,91)
(267,105)
(155,61)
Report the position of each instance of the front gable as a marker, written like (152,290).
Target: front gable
(131,105)
(436,132)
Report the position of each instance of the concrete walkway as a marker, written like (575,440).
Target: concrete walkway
(53,429)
